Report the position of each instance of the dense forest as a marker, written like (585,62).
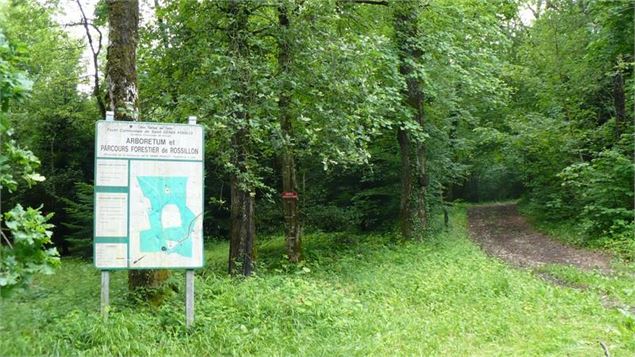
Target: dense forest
(383,116)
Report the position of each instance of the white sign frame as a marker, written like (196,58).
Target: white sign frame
(130,159)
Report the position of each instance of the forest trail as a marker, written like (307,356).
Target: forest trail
(502,232)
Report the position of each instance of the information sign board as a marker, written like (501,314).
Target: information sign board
(148,195)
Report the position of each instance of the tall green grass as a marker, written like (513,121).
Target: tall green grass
(353,295)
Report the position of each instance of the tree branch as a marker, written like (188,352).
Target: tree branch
(95,52)
(6,238)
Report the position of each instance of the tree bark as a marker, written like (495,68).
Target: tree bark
(121,75)
(242,231)
(413,211)
(405,214)
(289,182)
(121,69)
(447,194)
(619,101)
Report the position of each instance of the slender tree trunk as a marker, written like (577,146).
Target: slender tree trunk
(243,232)
(405,214)
(95,52)
(121,75)
(414,182)
(289,182)
(619,103)
(447,194)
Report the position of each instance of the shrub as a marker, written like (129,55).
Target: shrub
(603,194)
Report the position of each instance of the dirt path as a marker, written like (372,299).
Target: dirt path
(501,231)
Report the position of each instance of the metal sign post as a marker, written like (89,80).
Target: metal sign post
(105,292)
(189,276)
(189,298)
(105,274)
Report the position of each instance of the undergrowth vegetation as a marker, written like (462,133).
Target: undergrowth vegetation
(353,295)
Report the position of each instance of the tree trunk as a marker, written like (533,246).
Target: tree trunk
(405,215)
(289,182)
(121,75)
(414,182)
(619,103)
(242,231)
(121,69)
(447,194)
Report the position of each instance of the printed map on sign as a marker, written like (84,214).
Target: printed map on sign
(171,221)
(166,214)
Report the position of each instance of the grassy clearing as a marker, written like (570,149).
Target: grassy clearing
(355,295)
